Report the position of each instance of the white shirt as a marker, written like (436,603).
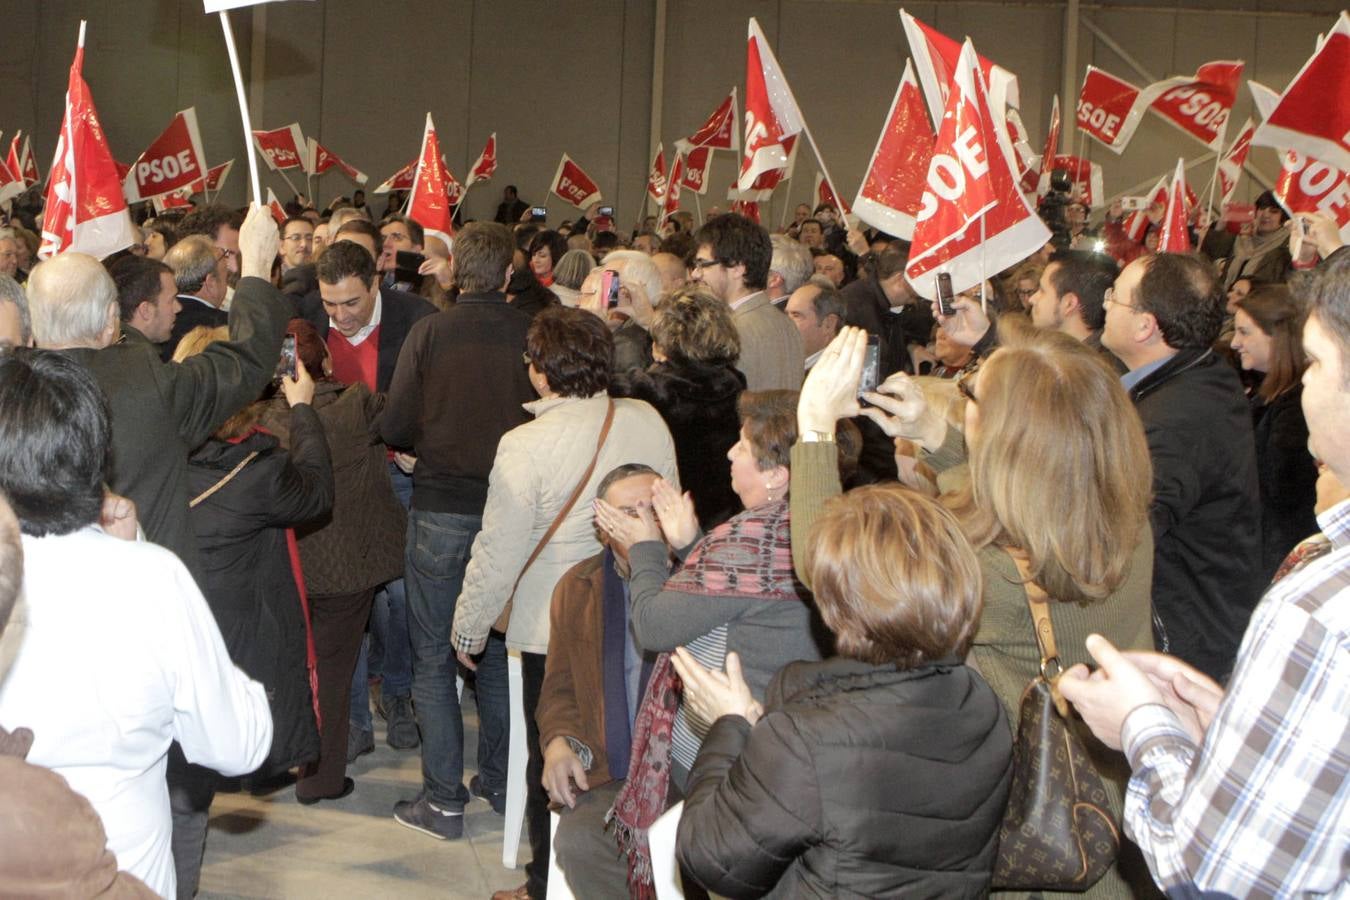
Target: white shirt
(370,326)
(120,657)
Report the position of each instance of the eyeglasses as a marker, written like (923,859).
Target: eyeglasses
(1025,292)
(299,238)
(1109,296)
(706,263)
(965,387)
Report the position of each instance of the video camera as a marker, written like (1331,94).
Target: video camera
(1052,205)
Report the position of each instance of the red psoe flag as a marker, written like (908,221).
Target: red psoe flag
(656,175)
(718,133)
(85,209)
(429,204)
(282,148)
(275,208)
(893,187)
(1051,140)
(973,221)
(20,160)
(1312,116)
(772,116)
(1313,186)
(216,175)
(573,185)
(671,202)
(826,196)
(485,165)
(696,164)
(1110,108)
(1230,167)
(401,180)
(935,57)
(1175,238)
(321,159)
(1107,108)
(172,161)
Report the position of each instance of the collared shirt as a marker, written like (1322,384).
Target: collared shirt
(737,304)
(813,358)
(196,299)
(369,327)
(1262,806)
(1134,376)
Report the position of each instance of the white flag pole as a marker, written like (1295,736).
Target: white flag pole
(243,106)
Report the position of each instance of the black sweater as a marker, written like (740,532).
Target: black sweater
(458,387)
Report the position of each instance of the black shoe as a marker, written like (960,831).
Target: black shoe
(420,815)
(360,741)
(496,799)
(402,727)
(347,787)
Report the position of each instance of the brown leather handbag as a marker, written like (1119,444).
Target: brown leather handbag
(1058,832)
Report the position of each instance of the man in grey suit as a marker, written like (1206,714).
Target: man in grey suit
(733,262)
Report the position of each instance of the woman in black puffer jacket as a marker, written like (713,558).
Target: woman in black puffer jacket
(694,385)
(882,772)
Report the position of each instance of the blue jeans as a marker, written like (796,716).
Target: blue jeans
(436,556)
(389,630)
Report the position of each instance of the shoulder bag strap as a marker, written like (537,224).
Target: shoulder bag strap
(571,501)
(1038,602)
(222,482)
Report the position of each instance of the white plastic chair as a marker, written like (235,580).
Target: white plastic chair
(517,760)
(557,882)
(665,868)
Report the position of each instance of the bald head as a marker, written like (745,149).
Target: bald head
(72,301)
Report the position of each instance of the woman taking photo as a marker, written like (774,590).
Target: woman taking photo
(1268,338)
(1059,472)
(801,795)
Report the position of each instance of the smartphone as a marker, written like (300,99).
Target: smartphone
(871,370)
(1298,233)
(609,287)
(1134,204)
(406,265)
(606,211)
(286,365)
(945,298)
(538,213)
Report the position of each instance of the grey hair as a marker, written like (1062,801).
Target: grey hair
(572,268)
(12,292)
(639,268)
(70,298)
(791,261)
(192,259)
(627,470)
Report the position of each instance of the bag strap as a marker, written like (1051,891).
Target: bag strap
(222,482)
(1038,602)
(571,501)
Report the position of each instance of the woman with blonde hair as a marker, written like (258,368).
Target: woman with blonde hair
(1059,475)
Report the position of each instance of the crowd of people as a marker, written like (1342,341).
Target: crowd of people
(271,479)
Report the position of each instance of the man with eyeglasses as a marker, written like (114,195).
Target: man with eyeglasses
(1162,318)
(732,261)
(297,243)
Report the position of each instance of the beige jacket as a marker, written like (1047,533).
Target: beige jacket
(771,347)
(537,466)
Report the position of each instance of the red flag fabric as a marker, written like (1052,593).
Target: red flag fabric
(85,209)
(28,163)
(719,132)
(320,159)
(825,195)
(174,200)
(401,180)
(1312,116)
(486,164)
(771,112)
(1110,108)
(1175,238)
(894,183)
(656,175)
(216,175)
(1026,159)
(429,203)
(173,160)
(1086,177)
(1312,186)
(747,208)
(1051,139)
(1136,223)
(696,164)
(274,206)
(935,56)
(11,185)
(282,148)
(14,161)
(671,202)
(973,221)
(1230,167)
(573,185)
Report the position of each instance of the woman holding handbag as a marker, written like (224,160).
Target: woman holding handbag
(535,526)
(1059,474)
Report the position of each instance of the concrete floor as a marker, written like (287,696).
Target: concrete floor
(273,847)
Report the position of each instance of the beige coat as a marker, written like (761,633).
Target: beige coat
(537,466)
(771,347)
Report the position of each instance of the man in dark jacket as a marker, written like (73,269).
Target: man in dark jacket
(200,273)
(884,304)
(364,326)
(1162,317)
(458,387)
